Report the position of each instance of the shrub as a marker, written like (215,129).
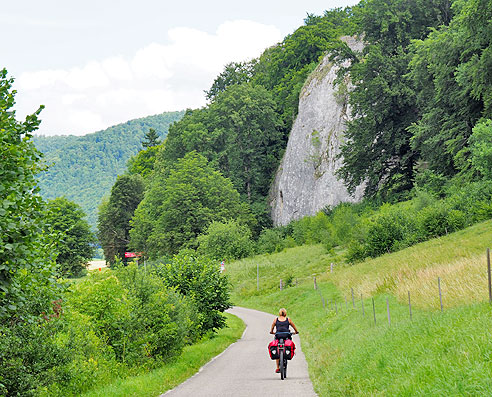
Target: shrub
(161,318)
(271,240)
(386,229)
(313,229)
(135,314)
(300,230)
(91,362)
(428,181)
(103,299)
(345,222)
(200,280)
(226,240)
(356,252)
(438,220)
(481,148)
(29,357)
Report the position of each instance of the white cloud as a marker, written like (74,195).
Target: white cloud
(159,77)
(117,68)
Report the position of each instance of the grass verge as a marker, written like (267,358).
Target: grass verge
(172,374)
(349,354)
(447,353)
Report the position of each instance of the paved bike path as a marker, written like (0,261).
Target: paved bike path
(245,368)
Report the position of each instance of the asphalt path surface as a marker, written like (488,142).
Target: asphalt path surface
(245,368)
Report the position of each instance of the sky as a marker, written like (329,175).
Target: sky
(97,63)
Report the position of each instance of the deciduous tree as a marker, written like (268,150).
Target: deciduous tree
(192,196)
(75,240)
(115,214)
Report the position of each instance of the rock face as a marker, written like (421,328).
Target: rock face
(306,182)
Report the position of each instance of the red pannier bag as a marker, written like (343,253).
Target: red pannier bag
(273,350)
(290,349)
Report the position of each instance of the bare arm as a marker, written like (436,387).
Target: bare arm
(273,326)
(293,326)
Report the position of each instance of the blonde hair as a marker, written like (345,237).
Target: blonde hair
(282,312)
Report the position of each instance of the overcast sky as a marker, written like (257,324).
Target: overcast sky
(97,63)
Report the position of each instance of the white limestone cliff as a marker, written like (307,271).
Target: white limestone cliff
(306,181)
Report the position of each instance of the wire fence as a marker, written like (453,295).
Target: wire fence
(355,300)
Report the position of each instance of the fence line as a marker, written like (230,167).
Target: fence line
(334,307)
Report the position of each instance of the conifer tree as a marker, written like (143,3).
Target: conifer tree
(151,139)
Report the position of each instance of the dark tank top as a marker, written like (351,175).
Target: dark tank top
(282,326)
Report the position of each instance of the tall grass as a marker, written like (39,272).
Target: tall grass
(458,259)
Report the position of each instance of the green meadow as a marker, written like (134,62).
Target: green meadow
(348,353)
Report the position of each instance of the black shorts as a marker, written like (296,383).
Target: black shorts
(283,335)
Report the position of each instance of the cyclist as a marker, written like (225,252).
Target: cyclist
(282,324)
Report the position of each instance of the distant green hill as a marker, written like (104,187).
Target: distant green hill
(84,168)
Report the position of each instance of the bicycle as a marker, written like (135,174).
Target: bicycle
(285,351)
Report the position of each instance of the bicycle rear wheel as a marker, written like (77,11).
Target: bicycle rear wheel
(282,366)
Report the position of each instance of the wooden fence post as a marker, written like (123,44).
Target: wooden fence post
(388,308)
(374,311)
(440,294)
(257,277)
(489,276)
(314,279)
(280,284)
(362,303)
(409,305)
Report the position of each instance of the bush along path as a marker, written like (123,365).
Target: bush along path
(153,383)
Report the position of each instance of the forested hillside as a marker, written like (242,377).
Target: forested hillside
(83,168)
(419,107)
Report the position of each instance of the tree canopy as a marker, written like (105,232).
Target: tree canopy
(378,149)
(192,196)
(75,241)
(84,168)
(115,215)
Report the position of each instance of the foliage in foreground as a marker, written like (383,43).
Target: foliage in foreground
(199,280)
(118,321)
(173,373)
(26,253)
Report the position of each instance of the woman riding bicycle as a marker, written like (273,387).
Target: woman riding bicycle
(282,324)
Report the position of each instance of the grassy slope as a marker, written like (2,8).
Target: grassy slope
(435,354)
(172,374)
